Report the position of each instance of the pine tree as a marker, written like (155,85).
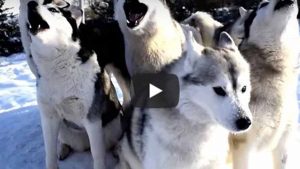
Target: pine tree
(9,32)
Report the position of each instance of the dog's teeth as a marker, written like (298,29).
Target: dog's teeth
(127,21)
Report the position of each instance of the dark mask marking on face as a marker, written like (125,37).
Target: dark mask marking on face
(36,22)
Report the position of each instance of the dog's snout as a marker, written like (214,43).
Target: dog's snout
(243,123)
(32,5)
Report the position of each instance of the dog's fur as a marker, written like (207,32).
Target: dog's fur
(156,41)
(271,48)
(269,40)
(206,25)
(106,39)
(25,37)
(73,92)
(194,134)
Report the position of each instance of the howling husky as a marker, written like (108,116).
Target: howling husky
(152,38)
(270,43)
(268,37)
(72,90)
(105,38)
(214,100)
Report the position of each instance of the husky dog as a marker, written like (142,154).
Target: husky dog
(210,29)
(105,39)
(214,97)
(268,37)
(152,38)
(270,44)
(72,90)
(206,25)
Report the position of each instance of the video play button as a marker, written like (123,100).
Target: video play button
(155,90)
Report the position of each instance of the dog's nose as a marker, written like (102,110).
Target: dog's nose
(243,123)
(32,5)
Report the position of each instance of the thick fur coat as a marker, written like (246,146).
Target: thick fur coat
(195,133)
(156,40)
(268,39)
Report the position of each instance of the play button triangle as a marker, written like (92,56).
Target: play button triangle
(153,90)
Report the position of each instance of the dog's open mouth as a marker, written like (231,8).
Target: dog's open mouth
(35,23)
(135,12)
(284,3)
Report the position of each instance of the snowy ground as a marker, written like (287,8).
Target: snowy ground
(21,144)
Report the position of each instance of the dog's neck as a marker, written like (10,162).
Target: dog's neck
(180,117)
(151,51)
(277,53)
(170,125)
(62,61)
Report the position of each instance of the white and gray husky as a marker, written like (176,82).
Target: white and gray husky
(152,37)
(268,37)
(73,92)
(214,101)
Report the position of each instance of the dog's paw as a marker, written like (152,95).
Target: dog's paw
(64,152)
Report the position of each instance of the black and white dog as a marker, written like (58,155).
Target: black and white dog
(73,91)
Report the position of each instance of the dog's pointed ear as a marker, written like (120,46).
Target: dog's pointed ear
(77,14)
(192,44)
(225,41)
(193,50)
(242,11)
(61,4)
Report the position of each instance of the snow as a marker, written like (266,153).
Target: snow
(21,143)
(17,84)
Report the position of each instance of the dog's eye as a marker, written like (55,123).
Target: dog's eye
(263,5)
(53,10)
(219,91)
(244,89)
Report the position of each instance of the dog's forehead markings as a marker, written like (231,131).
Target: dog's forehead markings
(204,73)
(231,66)
(232,73)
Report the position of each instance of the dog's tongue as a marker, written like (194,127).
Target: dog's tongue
(133,17)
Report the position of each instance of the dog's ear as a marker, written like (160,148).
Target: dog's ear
(225,41)
(76,14)
(192,44)
(61,4)
(193,50)
(242,11)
